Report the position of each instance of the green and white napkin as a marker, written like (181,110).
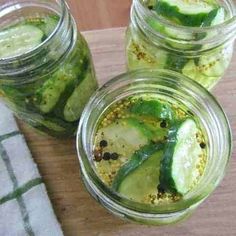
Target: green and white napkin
(25,208)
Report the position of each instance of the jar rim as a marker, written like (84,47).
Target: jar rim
(225,31)
(231,20)
(35,50)
(116,199)
(50,53)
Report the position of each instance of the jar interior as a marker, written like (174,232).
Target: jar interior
(31,13)
(226,4)
(202,105)
(14,12)
(42,31)
(190,38)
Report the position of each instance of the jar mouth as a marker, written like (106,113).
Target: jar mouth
(50,53)
(224,31)
(220,141)
(8,8)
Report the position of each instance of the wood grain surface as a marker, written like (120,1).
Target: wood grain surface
(79,213)
(100,14)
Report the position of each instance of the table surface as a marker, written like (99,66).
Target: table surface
(100,14)
(79,213)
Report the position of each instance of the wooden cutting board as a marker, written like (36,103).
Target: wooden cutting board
(79,213)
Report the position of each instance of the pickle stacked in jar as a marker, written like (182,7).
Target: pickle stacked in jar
(54,99)
(150,150)
(179,35)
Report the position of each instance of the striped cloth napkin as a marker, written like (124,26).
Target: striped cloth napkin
(25,208)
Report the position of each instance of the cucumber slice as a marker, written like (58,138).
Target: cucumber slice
(124,145)
(172,33)
(209,68)
(141,56)
(212,66)
(190,70)
(156,25)
(194,72)
(75,104)
(137,134)
(191,7)
(220,17)
(47,24)
(215,17)
(142,168)
(188,13)
(215,64)
(49,94)
(181,155)
(50,23)
(133,186)
(19,39)
(176,62)
(149,127)
(152,108)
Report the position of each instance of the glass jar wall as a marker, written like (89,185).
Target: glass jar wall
(200,50)
(46,69)
(167,86)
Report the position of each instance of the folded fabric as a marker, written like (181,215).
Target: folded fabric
(25,208)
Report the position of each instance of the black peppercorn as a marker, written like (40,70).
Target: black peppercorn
(163,124)
(103,143)
(114,156)
(106,156)
(202,145)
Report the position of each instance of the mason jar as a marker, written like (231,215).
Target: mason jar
(175,88)
(201,53)
(46,69)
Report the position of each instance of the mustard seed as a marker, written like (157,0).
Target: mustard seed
(97,155)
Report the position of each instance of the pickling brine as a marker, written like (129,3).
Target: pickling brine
(152,145)
(149,150)
(46,70)
(190,37)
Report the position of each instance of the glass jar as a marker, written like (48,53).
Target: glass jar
(170,86)
(47,83)
(201,53)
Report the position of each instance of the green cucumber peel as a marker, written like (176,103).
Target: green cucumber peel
(166,181)
(178,166)
(136,161)
(176,62)
(182,17)
(18,40)
(152,108)
(150,131)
